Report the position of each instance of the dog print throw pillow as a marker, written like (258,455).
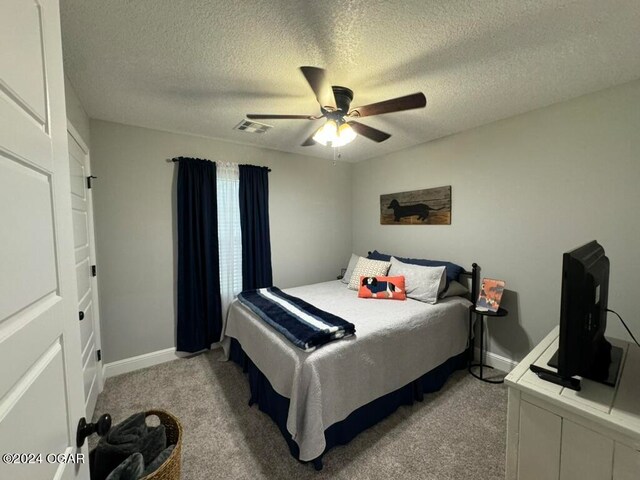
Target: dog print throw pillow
(382,287)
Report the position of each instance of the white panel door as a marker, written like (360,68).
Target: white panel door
(84,245)
(41,398)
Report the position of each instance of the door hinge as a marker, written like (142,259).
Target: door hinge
(89,178)
(94,270)
(99,354)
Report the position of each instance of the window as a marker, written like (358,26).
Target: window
(229,233)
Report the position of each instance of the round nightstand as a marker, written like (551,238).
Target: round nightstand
(481,313)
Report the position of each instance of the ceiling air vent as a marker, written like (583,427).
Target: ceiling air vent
(252,127)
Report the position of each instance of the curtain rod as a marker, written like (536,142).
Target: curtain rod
(173,160)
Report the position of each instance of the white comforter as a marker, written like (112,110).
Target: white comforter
(395,343)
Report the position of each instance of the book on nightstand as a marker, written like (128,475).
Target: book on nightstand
(490,295)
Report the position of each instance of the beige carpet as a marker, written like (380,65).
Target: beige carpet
(456,433)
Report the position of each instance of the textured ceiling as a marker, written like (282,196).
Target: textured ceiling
(198,66)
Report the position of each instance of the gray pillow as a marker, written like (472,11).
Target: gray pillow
(455,289)
(367,268)
(352,264)
(420,283)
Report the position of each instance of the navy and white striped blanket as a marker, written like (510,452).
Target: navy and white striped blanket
(304,325)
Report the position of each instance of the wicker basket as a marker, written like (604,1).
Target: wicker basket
(170,469)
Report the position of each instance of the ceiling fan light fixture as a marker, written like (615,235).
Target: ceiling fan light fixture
(326,133)
(333,136)
(346,134)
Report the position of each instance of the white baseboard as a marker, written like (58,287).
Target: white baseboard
(161,356)
(496,361)
(146,360)
(141,361)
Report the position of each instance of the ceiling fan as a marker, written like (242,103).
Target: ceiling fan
(341,127)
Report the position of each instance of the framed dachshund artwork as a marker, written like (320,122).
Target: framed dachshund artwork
(431,206)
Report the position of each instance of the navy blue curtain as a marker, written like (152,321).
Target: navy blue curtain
(199,306)
(254,219)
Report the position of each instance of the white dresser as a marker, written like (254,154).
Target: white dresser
(555,433)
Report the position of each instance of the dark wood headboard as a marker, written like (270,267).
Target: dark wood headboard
(475,278)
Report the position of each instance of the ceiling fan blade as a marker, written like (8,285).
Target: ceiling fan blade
(267,116)
(320,86)
(408,102)
(369,132)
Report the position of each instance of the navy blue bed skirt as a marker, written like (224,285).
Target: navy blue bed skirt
(277,406)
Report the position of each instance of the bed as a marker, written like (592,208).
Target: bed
(401,350)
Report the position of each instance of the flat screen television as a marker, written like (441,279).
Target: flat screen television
(583,349)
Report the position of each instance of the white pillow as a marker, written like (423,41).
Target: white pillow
(455,289)
(367,268)
(420,283)
(350,267)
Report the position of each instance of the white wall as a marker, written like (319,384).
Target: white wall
(310,214)
(76,113)
(524,190)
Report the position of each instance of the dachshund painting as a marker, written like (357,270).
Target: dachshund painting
(430,206)
(420,209)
